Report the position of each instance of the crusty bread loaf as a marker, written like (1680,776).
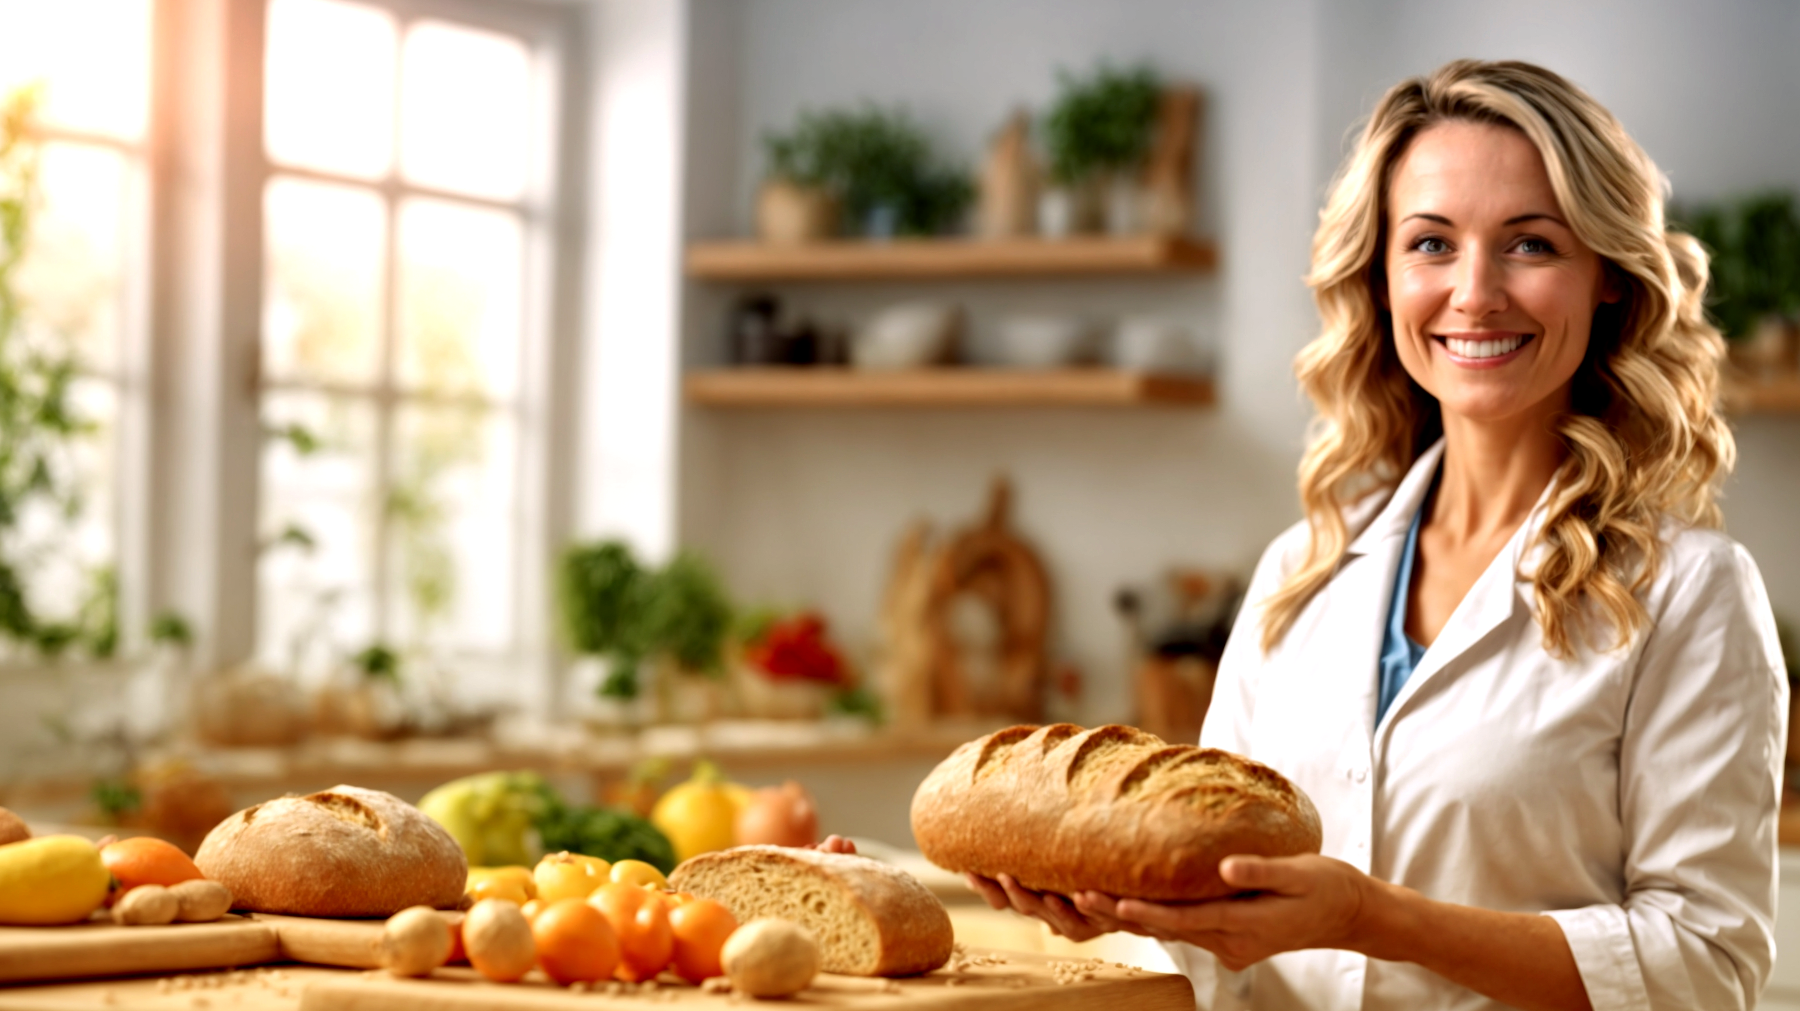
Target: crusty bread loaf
(345,852)
(871,919)
(1112,809)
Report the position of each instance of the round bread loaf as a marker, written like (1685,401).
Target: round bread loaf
(1113,809)
(344,852)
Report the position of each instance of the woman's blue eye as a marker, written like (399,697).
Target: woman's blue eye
(1430,244)
(1535,247)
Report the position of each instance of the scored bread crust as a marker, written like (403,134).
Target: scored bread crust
(1112,809)
(912,926)
(342,852)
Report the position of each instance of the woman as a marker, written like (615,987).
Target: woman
(1534,693)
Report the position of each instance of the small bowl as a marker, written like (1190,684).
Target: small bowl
(1047,342)
(910,335)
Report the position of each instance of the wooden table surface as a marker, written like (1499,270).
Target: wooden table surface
(978,981)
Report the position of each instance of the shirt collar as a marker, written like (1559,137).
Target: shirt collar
(1395,515)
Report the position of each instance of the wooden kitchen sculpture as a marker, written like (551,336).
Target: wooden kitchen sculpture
(966,623)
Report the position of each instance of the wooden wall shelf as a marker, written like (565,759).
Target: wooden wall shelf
(949,259)
(1763,396)
(945,387)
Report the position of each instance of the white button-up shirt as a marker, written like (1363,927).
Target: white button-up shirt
(1631,794)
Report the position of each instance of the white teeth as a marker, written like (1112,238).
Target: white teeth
(1484,349)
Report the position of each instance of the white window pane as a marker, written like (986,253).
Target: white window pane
(319,507)
(329,86)
(322,311)
(465,110)
(91,56)
(454,530)
(73,274)
(460,299)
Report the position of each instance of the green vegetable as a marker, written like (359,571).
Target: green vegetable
(607,833)
(514,818)
(687,615)
(494,816)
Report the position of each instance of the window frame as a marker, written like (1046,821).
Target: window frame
(220,440)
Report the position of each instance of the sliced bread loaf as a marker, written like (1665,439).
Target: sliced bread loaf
(871,919)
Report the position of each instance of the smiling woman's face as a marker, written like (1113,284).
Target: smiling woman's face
(1492,294)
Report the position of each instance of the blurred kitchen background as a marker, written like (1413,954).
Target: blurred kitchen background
(393,390)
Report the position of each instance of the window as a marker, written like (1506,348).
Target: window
(81,285)
(400,214)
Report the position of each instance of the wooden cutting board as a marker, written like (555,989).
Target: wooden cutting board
(1021,982)
(101,948)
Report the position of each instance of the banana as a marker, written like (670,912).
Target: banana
(52,879)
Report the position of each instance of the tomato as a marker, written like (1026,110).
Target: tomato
(575,942)
(637,872)
(700,927)
(568,876)
(640,918)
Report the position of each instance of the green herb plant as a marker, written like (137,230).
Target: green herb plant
(873,158)
(1755,247)
(616,609)
(40,426)
(378,662)
(1101,123)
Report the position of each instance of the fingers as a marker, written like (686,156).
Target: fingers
(1101,910)
(1222,915)
(989,890)
(837,844)
(1052,909)
(1262,874)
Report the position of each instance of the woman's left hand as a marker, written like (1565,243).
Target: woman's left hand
(1297,902)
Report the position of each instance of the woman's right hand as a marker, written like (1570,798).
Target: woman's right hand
(1057,912)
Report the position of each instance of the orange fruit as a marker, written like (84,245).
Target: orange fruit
(575,943)
(640,918)
(700,927)
(147,861)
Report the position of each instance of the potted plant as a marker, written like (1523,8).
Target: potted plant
(1753,293)
(1096,136)
(673,621)
(878,166)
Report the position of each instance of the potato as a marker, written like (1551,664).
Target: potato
(200,900)
(498,940)
(146,906)
(770,958)
(415,941)
(12,828)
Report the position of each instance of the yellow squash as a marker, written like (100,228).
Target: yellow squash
(700,815)
(52,879)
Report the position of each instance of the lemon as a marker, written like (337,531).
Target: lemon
(52,879)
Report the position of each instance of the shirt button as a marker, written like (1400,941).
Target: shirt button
(1357,775)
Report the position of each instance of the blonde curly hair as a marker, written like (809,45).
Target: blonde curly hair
(1644,434)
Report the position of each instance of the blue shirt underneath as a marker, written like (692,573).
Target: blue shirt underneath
(1399,654)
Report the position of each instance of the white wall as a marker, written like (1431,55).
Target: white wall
(803,506)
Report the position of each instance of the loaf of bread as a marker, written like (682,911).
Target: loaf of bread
(345,852)
(1113,809)
(870,919)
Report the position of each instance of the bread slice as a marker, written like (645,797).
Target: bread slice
(344,852)
(871,919)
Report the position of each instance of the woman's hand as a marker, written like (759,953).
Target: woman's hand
(1057,912)
(837,844)
(1295,902)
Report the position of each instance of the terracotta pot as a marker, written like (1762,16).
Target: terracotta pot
(789,215)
